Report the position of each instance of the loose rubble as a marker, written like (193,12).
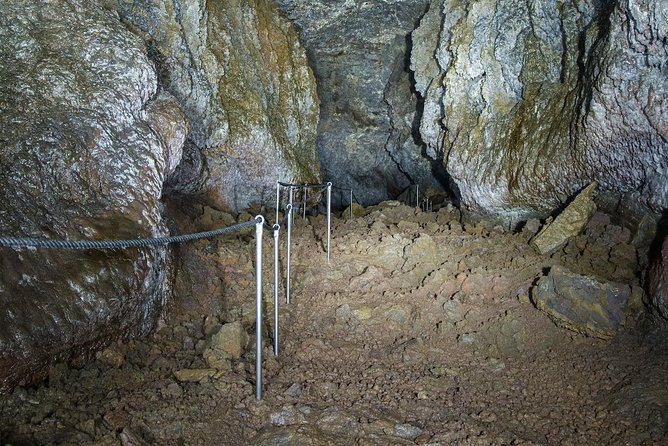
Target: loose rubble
(419,330)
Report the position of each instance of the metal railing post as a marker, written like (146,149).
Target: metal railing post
(417,195)
(304,196)
(351,204)
(287,254)
(276,229)
(278,195)
(329,216)
(259,226)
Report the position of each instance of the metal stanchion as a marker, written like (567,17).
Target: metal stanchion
(351,204)
(276,229)
(258,306)
(278,195)
(304,197)
(329,216)
(417,195)
(287,252)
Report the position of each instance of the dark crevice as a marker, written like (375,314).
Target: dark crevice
(590,65)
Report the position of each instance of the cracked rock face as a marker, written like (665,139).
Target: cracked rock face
(657,281)
(86,143)
(242,78)
(529,101)
(358,52)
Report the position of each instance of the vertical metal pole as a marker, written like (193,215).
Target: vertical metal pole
(276,229)
(304,195)
(351,204)
(417,195)
(278,195)
(258,306)
(287,254)
(329,216)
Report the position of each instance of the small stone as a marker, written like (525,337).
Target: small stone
(111,357)
(116,420)
(532,226)
(193,375)
(211,325)
(523,298)
(466,339)
(173,390)
(362,312)
(294,390)
(188,343)
(287,416)
(407,431)
(231,339)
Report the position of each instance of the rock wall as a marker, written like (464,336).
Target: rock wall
(87,141)
(358,51)
(657,280)
(527,102)
(242,78)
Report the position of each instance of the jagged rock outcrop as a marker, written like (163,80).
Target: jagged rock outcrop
(358,51)
(242,78)
(87,140)
(657,281)
(527,102)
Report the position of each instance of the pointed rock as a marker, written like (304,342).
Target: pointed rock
(568,224)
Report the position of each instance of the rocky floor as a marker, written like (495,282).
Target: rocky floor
(419,331)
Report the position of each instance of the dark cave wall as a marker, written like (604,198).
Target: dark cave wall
(358,51)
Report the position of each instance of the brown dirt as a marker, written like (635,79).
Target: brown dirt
(419,331)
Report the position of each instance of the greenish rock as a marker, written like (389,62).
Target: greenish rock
(569,223)
(87,140)
(527,102)
(584,304)
(243,79)
(357,211)
(230,341)
(193,375)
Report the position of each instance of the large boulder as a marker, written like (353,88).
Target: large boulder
(243,80)
(86,141)
(585,304)
(527,102)
(366,139)
(657,281)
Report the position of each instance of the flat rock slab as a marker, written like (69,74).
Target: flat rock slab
(584,304)
(568,224)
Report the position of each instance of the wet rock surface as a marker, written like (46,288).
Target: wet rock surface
(377,347)
(87,141)
(242,78)
(528,102)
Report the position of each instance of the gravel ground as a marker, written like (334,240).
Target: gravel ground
(419,331)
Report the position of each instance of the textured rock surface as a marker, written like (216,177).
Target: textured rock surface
(583,304)
(242,78)
(529,101)
(358,50)
(569,223)
(657,281)
(86,142)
